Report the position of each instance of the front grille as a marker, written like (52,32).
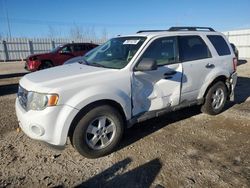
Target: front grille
(22,96)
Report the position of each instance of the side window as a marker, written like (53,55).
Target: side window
(219,44)
(163,50)
(84,47)
(193,48)
(77,48)
(88,47)
(67,49)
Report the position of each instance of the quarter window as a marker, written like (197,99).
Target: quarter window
(193,48)
(219,44)
(163,50)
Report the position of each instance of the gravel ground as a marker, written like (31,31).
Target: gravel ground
(181,149)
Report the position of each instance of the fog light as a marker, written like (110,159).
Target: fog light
(37,130)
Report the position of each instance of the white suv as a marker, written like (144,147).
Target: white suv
(126,80)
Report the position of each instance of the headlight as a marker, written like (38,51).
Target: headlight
(39,101)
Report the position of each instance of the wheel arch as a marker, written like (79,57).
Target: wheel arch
(221,78)
(92,105)
(44,60)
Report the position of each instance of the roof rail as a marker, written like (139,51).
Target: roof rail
(190,29)
(180,29)
(143,31)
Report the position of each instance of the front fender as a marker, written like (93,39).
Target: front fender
(210,78)
(97,93)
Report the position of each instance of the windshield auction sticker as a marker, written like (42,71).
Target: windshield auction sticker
(134,42)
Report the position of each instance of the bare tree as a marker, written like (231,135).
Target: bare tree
(104,36)
(93,34)
(76,32)
(87,34)
(90,34)
(51,32)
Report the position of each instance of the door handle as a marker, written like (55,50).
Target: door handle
(210,65)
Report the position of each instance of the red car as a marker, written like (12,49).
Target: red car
(57,56)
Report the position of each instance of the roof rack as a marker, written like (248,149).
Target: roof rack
(180,29)
(191,29)
(143,31)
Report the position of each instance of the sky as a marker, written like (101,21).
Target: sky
(59,18)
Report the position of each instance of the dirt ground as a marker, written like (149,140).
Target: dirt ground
(181,149)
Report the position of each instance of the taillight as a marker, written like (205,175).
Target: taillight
(235,63)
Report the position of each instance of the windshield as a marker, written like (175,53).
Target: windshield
(115,53)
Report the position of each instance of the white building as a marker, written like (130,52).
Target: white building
(241,39)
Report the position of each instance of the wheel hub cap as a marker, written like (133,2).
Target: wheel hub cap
(218,98)
(100,132)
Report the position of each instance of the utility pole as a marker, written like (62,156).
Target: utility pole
(7,17)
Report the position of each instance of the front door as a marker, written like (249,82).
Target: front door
(158,89)
(63,55)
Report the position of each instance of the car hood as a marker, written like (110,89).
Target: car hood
(38,55)
(64,77)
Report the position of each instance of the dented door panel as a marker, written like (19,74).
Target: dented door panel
(158,89)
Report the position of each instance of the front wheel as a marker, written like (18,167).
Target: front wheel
(98,132)
(45,65)
(215,99)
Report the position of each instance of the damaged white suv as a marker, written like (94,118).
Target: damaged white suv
(126,80)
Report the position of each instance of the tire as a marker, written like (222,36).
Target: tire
(46,65)
(89,137)
(215,99)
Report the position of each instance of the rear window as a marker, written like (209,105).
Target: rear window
(219,44)
(79,47)
(193,48)
(89,47)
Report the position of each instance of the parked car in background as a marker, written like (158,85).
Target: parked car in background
(236,51)
(79,58)
(57,56)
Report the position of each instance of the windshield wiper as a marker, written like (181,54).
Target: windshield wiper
(83,61)
(97,65)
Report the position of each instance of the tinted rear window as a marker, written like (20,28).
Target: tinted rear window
(193,48)
(219,44)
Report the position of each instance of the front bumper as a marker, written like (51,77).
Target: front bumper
(50,125)
(232,84)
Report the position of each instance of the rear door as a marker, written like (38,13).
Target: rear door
(158,89)
(197,63)
(79,49)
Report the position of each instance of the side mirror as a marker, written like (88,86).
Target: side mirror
(146,64)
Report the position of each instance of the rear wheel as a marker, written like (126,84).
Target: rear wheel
(215,99)
(98,132)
